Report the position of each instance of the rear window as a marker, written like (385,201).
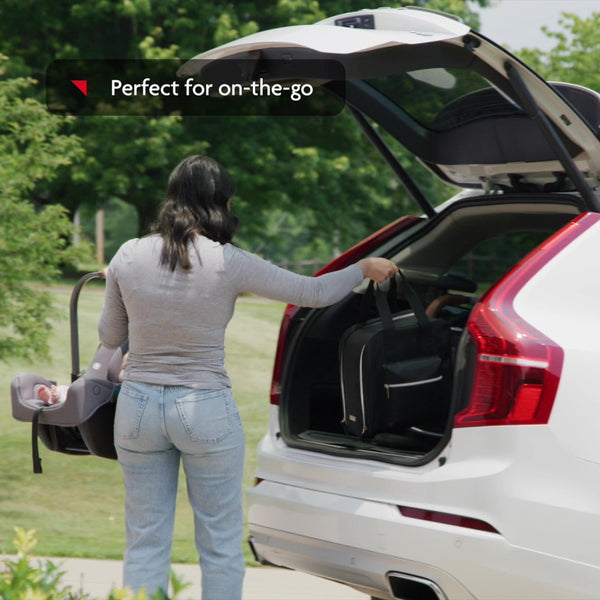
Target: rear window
(490,260)
(443,98)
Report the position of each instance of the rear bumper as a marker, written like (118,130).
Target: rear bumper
(360,542)
(367,572)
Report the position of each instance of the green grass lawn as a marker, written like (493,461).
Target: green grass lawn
(76,505)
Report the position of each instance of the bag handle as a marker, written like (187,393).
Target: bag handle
(383,306)
(367,298)
(415,302)
(385,313)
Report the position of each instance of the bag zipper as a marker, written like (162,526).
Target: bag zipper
(387,386)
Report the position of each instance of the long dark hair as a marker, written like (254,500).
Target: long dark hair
(198,191)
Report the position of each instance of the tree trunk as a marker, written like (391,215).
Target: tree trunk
(76,228)
(100,236)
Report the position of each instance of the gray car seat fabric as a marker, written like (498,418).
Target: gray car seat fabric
(84,397)
(95,387)
(82,424)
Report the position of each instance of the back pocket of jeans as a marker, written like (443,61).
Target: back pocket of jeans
(206,417)
(130,410)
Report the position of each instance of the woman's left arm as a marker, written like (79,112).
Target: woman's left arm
(255,275)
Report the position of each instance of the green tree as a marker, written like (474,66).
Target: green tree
(280,164)
(575,54)
(32,243)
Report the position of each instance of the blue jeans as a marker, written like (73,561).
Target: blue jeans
(155,427)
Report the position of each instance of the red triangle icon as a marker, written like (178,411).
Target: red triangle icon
(81,85)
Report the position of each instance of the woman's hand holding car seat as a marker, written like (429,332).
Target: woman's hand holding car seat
(377,269)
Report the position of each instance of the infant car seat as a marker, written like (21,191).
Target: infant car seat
(83,423)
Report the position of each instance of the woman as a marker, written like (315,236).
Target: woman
(172,295)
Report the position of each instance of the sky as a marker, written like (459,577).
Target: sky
(517,23)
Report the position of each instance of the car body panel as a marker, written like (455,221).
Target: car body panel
(549,294)
(362,569)
(477,481)
(398,26)
(513,490)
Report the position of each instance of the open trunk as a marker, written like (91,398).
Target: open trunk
(478,119)
(464,250)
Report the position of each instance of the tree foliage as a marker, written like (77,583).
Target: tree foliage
(32,242)
(280,164)
(574,56)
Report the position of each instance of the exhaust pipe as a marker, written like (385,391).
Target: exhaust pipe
(410,587)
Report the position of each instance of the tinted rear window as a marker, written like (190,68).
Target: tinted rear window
(443,98)
(490,260)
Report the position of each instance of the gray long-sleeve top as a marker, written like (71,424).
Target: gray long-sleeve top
(175,321)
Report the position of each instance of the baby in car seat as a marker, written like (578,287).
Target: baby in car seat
(53,394)
(50,394)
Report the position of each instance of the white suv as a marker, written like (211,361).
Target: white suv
(495,493)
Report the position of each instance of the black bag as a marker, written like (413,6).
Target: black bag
(395,370)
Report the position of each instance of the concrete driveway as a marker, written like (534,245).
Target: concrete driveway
(97,577)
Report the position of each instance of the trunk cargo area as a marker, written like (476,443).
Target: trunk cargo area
(448,262)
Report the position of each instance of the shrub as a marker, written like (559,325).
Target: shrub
(25,579)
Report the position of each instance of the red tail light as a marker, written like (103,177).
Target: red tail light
(288,315)
(446,518)
(518,368)
(517,371)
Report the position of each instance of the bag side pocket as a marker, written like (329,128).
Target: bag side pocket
(413,391)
